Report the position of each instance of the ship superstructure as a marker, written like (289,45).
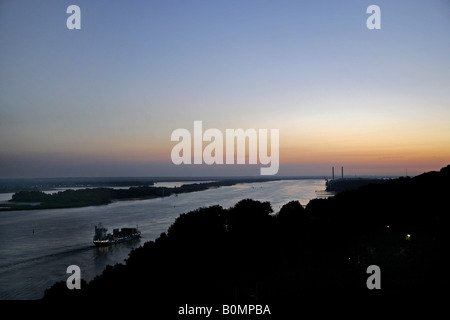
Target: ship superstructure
(102,238)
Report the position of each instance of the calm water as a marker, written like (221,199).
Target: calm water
(31,262)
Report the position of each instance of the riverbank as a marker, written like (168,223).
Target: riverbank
(94,196)
(348,184)
(35,199)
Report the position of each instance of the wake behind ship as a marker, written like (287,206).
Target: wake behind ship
(103,239)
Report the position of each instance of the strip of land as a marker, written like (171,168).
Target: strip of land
(35,199)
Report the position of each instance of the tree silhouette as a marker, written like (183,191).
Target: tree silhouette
(245,253)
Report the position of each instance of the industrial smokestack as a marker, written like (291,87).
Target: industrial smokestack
(332,170)
(342,172)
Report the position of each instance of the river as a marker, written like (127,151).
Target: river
(37,246)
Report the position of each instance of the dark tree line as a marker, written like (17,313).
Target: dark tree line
(248,254)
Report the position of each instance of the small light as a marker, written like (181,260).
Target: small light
(408,237)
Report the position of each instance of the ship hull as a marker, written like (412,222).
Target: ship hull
(106,243)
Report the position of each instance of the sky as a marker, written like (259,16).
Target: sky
(104,100)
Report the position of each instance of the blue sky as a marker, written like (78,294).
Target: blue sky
(104,100)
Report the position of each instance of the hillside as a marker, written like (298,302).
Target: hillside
(320,253)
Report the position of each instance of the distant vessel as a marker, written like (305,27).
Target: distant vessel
(103,239)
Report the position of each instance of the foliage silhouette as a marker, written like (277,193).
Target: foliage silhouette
(247,253)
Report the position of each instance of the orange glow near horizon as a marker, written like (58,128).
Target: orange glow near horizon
(310,145)
(387,152)
(379,144)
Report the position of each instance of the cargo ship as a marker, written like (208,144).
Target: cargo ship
(103,239)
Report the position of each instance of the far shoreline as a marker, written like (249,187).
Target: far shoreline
(87,195)
(94,196)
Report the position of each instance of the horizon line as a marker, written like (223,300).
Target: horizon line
(204,178)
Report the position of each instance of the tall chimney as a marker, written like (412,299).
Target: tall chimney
(332,170)
(342,172)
